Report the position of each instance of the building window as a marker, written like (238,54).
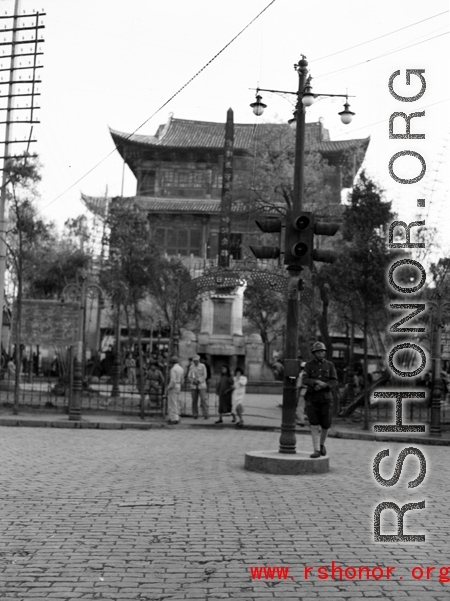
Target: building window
(182,179)
(179,241)
(216,180)
(167,179)
(147,183)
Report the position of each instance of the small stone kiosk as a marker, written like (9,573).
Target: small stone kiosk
(221,337)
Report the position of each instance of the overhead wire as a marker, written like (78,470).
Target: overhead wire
(384,35)
(205,66)
(369,60)
(129,136)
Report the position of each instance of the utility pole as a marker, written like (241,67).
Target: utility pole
(300,229)
(225,204)
(21,86)
(287,438)
(79,291)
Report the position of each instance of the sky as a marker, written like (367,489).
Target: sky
(118,64)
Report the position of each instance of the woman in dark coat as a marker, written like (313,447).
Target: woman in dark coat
(224,390)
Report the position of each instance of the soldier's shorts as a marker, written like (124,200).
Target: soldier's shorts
(319,414)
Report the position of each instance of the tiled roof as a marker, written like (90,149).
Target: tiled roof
(182,205)
(181,133)
(98,204)
(340,145)
(184,133)
(179,205)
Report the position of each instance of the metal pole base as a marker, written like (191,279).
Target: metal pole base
(75,406)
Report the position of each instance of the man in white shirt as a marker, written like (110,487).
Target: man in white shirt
(173,391)
(197,377)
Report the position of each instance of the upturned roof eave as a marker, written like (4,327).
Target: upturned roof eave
(122,139)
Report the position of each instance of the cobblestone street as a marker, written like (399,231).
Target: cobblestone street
(172,514)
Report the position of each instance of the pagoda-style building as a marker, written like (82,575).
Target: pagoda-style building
(179,175)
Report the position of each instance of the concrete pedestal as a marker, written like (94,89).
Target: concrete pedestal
(273,462)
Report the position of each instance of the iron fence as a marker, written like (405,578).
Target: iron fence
(46,393)
(382,411)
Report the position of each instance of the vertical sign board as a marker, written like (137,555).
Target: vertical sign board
(48,323)
(225,207)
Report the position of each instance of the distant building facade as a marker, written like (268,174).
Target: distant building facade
(179,184)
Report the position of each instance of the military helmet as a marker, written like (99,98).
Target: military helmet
(318,346)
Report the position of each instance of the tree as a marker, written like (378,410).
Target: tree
(357,280)
(270,187)
(25,233)
(136,271)
(55,267)
(169,289)
(76,233)
(132,265)
(266,311)
(271,172)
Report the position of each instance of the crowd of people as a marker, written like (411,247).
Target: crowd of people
(164,377)
(230,391)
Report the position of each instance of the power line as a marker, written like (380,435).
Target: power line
(369,60)
(380,37)
(217,55)
(164,104)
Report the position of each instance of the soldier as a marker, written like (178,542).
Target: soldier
(319,378)
(197,376)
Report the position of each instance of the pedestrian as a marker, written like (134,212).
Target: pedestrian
(239,384)
(278,370)
(320,378)
(130,366)
(155,383)
(173,391)
(197,377)
(11,366)
(224,391)
(35,364)
(301,391)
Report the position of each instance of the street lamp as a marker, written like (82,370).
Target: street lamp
(79,291)
(305,98)
(258,106)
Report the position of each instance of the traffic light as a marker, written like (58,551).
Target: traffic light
(300,232)
(322,228)
(269,225)
(299,239)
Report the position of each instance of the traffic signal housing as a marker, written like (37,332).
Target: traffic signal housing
(300,242)
(325,228)
(299,239)
(269,224)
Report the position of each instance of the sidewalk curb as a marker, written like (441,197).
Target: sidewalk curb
(78,425)
(444,442)
(102,425)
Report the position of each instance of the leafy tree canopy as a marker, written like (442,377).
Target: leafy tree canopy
(271,171)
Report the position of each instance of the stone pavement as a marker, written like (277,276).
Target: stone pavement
(170,514)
